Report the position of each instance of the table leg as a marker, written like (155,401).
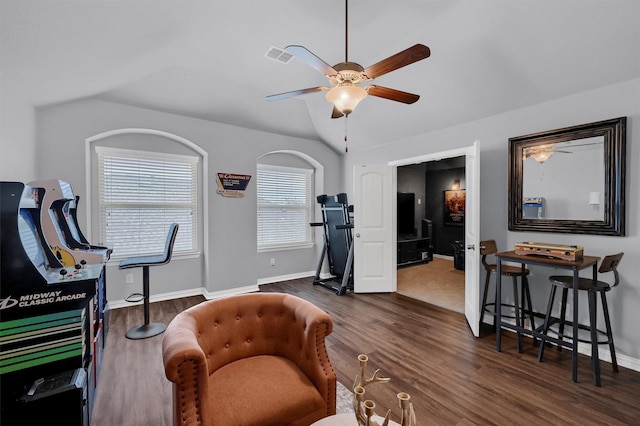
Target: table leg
(498,304)
(574,349)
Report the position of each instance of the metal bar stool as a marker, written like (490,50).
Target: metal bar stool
(609,264)
(487,248)
(148,329)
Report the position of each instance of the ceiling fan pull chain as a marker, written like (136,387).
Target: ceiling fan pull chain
(346,128)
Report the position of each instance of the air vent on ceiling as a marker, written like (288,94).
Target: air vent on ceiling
(279,55)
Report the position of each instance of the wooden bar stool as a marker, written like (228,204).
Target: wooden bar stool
(609,264)
(488,247)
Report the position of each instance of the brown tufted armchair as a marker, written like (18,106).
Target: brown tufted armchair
(252,359)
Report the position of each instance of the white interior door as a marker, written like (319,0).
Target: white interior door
(374,231)
(471,238)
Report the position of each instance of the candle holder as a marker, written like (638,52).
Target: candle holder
(365,408)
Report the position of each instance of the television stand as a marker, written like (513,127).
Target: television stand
(413,250)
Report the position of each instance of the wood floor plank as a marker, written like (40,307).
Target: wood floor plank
(429,352)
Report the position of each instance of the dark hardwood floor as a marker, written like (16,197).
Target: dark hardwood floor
(132,388)
(427,351)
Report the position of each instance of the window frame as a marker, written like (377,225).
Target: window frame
(310,175)
(158,157)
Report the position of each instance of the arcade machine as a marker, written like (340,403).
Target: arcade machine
(59,223)
(46,319)
(338,243)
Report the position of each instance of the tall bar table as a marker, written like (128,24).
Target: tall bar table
(532,259)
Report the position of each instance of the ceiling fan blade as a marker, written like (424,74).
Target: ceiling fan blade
(336,113)
(310,59)
(406,57)
(570,144)
(392,94)
(287,95)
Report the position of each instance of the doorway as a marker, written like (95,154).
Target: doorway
(375,244)
(430,235)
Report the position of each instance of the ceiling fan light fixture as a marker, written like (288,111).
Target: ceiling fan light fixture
(542,156)
(539,153)
(346,96)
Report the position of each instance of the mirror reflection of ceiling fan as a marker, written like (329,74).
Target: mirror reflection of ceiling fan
(542,153)
(345,92)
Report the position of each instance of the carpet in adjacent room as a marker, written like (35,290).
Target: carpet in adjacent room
(436,282)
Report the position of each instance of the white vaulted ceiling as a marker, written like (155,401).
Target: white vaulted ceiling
(206,58)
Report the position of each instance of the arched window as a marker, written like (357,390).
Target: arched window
(287,184)
(140,194)
(285,207)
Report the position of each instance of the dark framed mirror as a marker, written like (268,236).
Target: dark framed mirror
(569,180)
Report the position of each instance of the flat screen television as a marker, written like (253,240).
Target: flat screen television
(406,213)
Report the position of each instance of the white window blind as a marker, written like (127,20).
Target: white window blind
(284,207)
(140,195)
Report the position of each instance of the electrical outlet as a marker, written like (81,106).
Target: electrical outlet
(129,278)
(273,261)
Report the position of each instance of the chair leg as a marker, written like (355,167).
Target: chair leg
(563,315)
(593,324)
(484,297)
(145,292)
(527,296)
(545,326)
(607,321)
(147,329)
(519,320)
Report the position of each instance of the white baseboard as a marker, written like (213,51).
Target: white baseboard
(230,292)
(117,304)
(288,277)
(603,353)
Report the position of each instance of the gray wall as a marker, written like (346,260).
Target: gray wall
(439,180)
(234,263)
(17,137)
(493,133)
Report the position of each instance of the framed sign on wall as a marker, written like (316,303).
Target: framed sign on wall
(454,206)
(232,185)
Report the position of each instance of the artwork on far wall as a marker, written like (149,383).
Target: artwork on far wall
(454,206)
(232,185)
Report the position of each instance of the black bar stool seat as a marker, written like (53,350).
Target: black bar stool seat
(148,329)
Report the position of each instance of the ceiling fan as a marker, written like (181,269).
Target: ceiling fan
(542,153)
(345,92)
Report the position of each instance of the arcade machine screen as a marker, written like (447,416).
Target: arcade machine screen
(31,242)
(66,211)
(28,232)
